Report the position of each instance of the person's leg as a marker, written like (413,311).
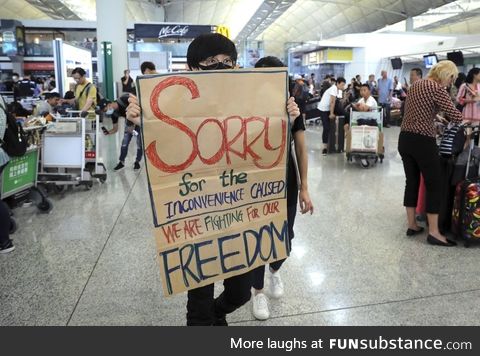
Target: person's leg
(429,163)
(258,278)
(259,300)
(237,291)
(387,114)
(200,306)
(127,137)
(5,241)
(139,146)
(412,175)
(326,128)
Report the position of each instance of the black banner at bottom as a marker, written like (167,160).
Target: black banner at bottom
(240,340)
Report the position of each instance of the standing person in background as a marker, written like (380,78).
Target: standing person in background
(148,68)
(128,85)
(456,86)
(6,245)
(385,90)
(418,147)
(300,93)
(469,96)
(26,87)
(85,93)
(327,109)
(372,83)
(327,83)
(116,110)
(259,300)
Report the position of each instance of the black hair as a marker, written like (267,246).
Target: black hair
(52,95)
(209,45)
(69,95)
(269,61)
(341,80)
(460,80)
(471,73)
(418,71)
(365,86)
(79,71)
(147,65)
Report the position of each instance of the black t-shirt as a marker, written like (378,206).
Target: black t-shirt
(122,103)
(127,88)
(292,183)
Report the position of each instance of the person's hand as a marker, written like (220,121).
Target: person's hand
(332,116)
(84,114)
(133,110)
(292,109)
(306,204)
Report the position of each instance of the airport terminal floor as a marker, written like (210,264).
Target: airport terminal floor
(92,260)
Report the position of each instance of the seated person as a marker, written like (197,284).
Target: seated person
(47,106)
(365,103)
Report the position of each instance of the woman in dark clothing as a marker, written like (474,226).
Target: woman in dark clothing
(418,148)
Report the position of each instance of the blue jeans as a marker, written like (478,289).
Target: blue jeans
(126,141)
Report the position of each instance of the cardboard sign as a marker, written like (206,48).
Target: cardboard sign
(216,147)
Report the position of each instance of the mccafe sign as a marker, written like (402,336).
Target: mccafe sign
(170,30)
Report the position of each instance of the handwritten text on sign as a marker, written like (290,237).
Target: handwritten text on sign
(216,148)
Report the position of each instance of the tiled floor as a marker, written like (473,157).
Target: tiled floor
(92,260)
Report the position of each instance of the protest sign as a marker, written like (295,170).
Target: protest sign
(216,146)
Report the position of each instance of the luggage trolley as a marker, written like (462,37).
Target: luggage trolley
(365,137)
(18,181)
(71,153)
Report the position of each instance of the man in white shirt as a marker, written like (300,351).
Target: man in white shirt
(327,109)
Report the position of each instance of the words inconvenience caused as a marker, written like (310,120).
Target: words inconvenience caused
(216,152)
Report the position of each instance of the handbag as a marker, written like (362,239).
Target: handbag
(452,141)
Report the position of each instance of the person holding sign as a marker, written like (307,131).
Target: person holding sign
(260,303)
(213,52)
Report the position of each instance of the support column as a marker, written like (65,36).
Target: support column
(409,24)
(112,27)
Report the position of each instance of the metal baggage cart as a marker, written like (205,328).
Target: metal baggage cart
(19,180)
(71,153)
(365,137)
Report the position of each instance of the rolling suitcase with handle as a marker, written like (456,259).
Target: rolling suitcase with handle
(466,206)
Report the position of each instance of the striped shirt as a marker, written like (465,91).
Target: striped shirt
(425,100)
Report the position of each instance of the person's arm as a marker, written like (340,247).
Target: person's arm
(445,104)
(114,129)
(333,98)
(305,202)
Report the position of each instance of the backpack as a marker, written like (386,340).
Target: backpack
(14,141)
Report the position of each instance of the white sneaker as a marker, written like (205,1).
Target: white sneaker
(276,285)
(260,307)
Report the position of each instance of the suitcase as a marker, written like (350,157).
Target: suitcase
(421,197)
(466,207)
(336,136)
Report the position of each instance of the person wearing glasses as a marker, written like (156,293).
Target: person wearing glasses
(209,52)
(85,93)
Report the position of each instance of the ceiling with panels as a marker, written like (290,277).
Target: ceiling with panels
(274,21)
